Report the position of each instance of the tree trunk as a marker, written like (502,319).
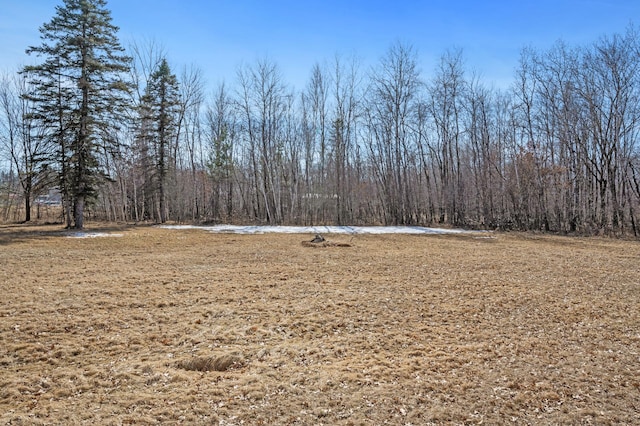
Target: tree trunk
(27,207)
(79,212)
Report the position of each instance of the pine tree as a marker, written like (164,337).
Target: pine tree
(221,129)
(159,115)
(81,92)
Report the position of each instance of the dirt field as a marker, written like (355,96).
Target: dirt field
(161,326)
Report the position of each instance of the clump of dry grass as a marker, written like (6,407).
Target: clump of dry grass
(212,363)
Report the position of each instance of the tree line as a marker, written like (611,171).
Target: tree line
(122,137)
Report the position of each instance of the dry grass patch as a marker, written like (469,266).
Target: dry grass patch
(163,326)
(219,363)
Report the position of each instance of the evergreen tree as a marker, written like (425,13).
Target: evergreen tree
(159,120)
(221,132)
(81,92)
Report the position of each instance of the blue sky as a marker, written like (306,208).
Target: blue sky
(219,35)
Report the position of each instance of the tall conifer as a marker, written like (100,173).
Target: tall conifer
(159,120)
(80,90)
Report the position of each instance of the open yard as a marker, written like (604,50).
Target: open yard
(163,326)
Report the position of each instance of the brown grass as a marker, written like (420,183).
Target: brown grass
(164,327)
(323,244)
(218,363)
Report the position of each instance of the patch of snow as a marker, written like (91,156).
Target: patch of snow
(92,235)
(351,230)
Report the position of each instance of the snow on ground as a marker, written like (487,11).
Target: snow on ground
(91,235)
(237,229)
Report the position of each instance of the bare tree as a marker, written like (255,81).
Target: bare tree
(188,146)
(446,93)
(28,146)
(395,89)
(346,103)
(315,103)
(263,102)
(610,88)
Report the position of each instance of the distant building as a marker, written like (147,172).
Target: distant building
(52,198)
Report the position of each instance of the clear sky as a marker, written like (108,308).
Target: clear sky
(219,35)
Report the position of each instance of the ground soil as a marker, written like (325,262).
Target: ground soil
(162,326)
